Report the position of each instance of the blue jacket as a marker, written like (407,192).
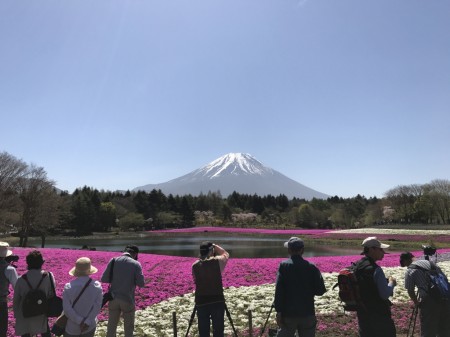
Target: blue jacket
(298,281)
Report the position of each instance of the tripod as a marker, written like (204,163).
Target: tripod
(268,316)
(231,321)
(412,321)
(191,320)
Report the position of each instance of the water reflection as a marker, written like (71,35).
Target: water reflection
(187,245)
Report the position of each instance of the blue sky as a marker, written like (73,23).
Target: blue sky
(343,96)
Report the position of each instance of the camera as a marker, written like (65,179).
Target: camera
(428,250)
(12,259)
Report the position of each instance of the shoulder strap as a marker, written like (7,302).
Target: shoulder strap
(111,270)
(25,277)
(415,266)
(52,283)
(82,291)
(44,274)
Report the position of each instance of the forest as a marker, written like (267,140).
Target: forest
(31,205)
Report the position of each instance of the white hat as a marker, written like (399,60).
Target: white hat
(83,267)
(4,249)
(372,241)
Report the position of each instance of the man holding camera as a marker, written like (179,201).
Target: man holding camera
(8,276)
(126,275)
(434,313)
(209,299)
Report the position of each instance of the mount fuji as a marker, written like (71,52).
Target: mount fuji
(238,172)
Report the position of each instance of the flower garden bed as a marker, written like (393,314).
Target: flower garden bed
(249,285)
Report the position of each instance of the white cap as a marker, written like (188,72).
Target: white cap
(4,249)
(372,241)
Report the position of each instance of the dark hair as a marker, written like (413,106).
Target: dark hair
(205,248)
(34,260)
(132,249)
(406,256)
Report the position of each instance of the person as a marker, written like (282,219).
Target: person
(29,326)
(434,315)
(8,276)
(127,274)
(298,281)
(209,299)
(82,314)
(374,319)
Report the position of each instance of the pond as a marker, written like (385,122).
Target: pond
(238,246)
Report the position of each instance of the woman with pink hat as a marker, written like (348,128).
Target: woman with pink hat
(82,300)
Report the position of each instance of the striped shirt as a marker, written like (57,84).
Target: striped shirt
(418,278)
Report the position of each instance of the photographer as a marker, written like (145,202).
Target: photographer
(8,276)
(434,314)
(209,299)
(126,275)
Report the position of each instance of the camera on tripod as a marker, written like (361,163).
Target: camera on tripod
(12,258)
(428,251)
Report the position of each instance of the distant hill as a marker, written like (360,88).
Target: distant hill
(238,172)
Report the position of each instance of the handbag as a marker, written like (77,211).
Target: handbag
(108,296)
(59,326)
(55,306)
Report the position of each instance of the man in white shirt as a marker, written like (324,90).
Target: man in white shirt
(8,276)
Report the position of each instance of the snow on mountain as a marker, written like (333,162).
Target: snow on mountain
(233,163)
(238,172)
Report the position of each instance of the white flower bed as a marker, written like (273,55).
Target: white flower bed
(156,321)
(391,231)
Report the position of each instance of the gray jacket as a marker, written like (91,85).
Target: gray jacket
(127,274)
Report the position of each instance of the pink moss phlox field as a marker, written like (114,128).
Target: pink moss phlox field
(245,230)
(169,276)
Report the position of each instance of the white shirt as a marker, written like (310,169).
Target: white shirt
(87,307)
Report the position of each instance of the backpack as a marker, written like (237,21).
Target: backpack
(35,301)
(349,289)
(438,286)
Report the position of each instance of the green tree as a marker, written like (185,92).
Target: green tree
(305,216)
(36,193)
(107,215)
(131,220)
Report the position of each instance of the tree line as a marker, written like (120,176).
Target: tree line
(30,203)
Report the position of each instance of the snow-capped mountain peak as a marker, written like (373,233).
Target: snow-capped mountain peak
(235,172)
(234,164)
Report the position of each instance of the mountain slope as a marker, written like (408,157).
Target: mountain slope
(238,172)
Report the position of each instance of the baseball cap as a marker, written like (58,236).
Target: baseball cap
(372,241)
(294,243)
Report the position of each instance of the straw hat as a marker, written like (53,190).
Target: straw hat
(83,267)
(4,249)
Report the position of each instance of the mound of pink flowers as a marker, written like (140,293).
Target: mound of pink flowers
(245,230)
(168,276)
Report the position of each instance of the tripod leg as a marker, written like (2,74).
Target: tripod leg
(191,320)
(229,318)
(415,319)
(265,324)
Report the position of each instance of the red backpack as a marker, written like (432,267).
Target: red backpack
(349,289)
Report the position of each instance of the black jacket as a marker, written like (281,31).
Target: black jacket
(298,281)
